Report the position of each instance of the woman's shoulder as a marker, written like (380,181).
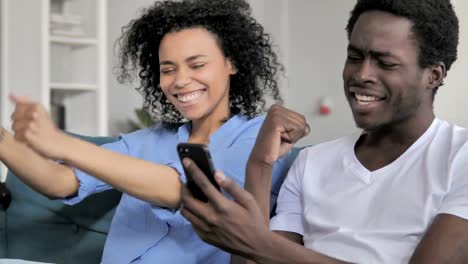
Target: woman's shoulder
(245,126)
(153,132)
(251,122)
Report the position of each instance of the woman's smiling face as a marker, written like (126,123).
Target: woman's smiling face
(195,74)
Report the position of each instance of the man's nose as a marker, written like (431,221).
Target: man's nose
(365,72)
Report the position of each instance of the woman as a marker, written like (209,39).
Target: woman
(204,67)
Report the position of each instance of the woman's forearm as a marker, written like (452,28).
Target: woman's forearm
(43,175)
(156,184)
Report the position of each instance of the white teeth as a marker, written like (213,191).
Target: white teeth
(189,97)
(365,99)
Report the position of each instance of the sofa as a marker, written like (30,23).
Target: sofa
(35,228)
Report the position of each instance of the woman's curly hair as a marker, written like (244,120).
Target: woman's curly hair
(241,38)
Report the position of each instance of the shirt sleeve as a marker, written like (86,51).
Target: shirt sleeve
(289,206)
(456,200)
(90,185)
(172,217)
(280,172)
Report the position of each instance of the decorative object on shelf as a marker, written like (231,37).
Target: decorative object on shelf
(58,113)
(66,25)
(326,105)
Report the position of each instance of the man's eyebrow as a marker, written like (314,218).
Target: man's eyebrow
(351,47)
(373,53)
(189,59)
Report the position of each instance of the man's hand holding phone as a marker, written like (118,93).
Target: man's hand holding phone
(235,226)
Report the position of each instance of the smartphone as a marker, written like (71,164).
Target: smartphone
(200,154)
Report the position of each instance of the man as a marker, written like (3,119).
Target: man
(395,193)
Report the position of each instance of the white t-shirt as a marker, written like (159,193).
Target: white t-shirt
(350,213)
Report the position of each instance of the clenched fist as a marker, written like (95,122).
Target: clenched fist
(33,125)
(280,130)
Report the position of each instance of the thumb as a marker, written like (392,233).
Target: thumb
(17,99)
(229,186)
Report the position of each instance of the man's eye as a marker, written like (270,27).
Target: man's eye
(387,65)
(354,58)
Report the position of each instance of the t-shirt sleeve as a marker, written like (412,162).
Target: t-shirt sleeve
(289,205)
(456,200)
(90,185)
(280,171)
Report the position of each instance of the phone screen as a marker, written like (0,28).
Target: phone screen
(200,154)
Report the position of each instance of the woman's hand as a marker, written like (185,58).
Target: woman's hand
(33,125)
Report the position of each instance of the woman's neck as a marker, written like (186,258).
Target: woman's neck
(202,129)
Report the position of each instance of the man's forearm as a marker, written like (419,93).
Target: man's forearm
(258,183)
(279,250)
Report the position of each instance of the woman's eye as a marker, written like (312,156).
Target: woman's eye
(166,71)
(198,66)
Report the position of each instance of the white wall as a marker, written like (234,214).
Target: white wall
(451,99)
(317,54)
(313,55)
(123,99)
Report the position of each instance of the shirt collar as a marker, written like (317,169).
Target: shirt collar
(223,136)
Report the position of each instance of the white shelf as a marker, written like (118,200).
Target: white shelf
(75,87)
(41,64)
(73,41)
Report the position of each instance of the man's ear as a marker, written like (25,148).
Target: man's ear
(232,67)
(437,74)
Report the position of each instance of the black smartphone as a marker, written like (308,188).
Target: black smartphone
(200,154)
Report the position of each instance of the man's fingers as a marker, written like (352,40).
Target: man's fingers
(240,195)
(296,133)
(197,222)
(204,215)
(202,181)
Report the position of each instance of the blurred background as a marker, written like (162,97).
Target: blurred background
(61,53)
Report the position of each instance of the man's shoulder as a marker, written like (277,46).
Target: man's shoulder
(451,135)
(330,149)
(330,145)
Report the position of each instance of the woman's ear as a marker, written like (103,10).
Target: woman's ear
(436,75)
(232,67)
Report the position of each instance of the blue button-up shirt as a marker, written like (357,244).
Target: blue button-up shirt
(144,233)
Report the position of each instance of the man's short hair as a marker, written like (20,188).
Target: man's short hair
(435,26)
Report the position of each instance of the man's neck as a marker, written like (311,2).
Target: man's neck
(380,147)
